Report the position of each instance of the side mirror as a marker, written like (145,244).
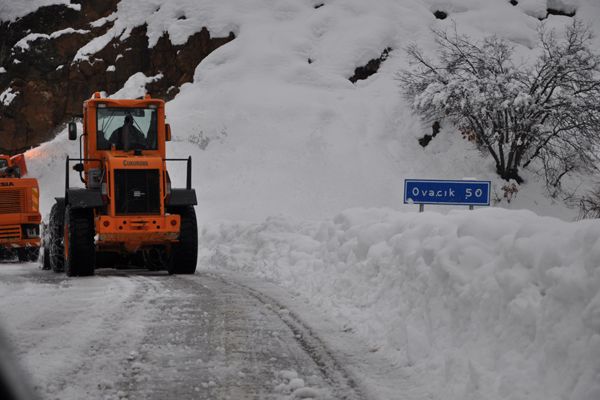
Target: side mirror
(78,167)
(167,132)
(72,131)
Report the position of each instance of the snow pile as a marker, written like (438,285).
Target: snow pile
(294,387)
(135,87)
(7,97)
(485,304)
(47,164)
(23,44)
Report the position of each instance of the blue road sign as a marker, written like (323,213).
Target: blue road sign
(465,193)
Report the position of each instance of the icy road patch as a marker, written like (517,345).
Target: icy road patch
(141,335)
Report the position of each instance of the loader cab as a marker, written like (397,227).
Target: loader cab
(123,154)
(8,169)
(124,127)
(3,166)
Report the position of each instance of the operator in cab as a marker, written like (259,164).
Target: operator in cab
(128,137)
(7,171)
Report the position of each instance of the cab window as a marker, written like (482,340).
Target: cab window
(126,129)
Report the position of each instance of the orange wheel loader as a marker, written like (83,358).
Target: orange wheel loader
(125,212)
(19,210)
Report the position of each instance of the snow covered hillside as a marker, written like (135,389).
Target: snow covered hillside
(486,304)
(275,125)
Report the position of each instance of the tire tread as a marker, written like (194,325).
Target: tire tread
(185,253)
(55,236)
(81,259)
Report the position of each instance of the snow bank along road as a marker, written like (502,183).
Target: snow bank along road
(143,335)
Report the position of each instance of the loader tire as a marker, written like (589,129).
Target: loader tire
(184,254)
(45,248)
(34,254)
(22,255)
(56,249)
(27,254)
(80,249)
(46,258)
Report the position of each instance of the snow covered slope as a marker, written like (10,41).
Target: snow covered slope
(274,124)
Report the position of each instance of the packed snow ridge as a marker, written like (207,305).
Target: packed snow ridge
(485,304)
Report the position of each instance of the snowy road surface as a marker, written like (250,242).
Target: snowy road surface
(146,335)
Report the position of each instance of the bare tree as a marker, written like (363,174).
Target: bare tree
(549,111)
(589,204)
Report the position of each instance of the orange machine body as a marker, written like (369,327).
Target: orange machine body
(124,213)
(119,232)
(19,205)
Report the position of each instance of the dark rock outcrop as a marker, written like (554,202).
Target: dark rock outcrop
(370,68)
(439,14)
(568,12)
(51,88)
(435,129)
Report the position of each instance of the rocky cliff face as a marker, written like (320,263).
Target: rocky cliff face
(41,87)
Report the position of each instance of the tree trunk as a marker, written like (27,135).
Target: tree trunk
(509,173)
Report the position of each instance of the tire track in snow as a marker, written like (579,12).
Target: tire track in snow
(140,335)
(212,340)
(344,385)
(72,334)
(107,358)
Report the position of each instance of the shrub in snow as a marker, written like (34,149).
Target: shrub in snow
(547,112)
(510,189)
